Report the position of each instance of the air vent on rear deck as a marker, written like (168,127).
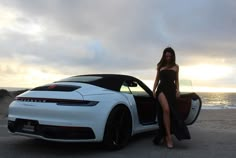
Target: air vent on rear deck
(55,87)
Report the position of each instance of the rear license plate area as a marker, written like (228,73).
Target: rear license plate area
(27,126)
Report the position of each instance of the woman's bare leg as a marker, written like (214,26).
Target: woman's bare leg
(166,118)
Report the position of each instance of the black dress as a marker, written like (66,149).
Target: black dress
(168,88)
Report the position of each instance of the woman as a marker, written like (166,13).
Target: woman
(165,90)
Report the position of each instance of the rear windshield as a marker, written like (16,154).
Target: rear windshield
(86,79)
(105,81)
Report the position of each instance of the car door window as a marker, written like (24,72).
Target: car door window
(144,102)
(138,91)
(134,88)
(125,89)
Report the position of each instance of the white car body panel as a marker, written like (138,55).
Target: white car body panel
(81,116)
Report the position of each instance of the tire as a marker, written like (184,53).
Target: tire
(118,128)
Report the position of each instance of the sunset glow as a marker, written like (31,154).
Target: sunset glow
(44,41)
(205,72)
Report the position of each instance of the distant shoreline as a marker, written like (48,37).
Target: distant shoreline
(14,88)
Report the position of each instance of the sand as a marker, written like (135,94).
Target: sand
(213,135)
(219,120)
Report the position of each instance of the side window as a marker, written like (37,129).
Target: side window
(134,88)
(125,89)
(138,91)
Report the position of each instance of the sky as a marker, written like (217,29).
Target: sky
(44,41)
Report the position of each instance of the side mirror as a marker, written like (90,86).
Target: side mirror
(130,84)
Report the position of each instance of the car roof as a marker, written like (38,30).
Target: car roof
(108,81)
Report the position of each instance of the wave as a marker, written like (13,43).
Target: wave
(215,107)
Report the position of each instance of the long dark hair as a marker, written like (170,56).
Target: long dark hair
(163,61)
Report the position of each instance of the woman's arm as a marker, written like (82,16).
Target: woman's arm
(177,82)
(156,83)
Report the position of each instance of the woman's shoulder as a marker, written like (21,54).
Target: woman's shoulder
(176,67)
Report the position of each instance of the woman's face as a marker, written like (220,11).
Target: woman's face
(168,57)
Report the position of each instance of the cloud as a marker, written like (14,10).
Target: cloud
(116,36)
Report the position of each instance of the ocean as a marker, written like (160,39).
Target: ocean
(218,100)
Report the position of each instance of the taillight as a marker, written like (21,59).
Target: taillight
(82,103)
(61,102)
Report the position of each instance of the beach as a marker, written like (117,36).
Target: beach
(218,120)
(213,135)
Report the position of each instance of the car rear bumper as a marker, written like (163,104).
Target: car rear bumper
(47,132)
(57,123)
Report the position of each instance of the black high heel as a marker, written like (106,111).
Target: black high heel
(158,140)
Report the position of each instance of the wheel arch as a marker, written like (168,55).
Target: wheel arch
(120,105)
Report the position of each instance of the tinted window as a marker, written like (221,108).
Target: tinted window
(133,88)
(81,79)
(125,89)
(107,81)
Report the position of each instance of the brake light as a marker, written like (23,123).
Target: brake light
(61,102)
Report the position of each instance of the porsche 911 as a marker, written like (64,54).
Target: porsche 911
(107,108)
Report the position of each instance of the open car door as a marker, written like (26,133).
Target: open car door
(189,106)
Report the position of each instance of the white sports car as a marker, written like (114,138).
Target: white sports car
(107,108)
